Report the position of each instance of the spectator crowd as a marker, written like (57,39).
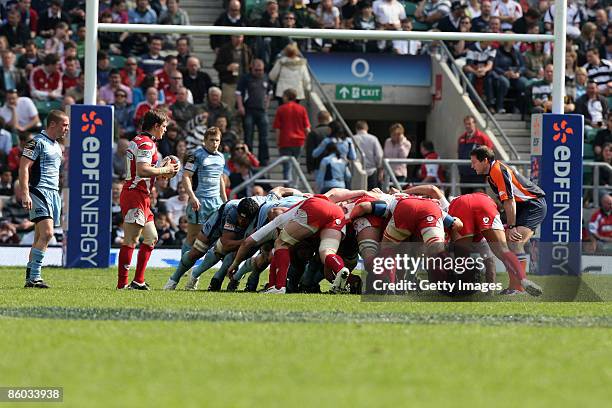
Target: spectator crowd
(42,45)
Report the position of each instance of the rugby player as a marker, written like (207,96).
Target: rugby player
(135,202)
(39,174)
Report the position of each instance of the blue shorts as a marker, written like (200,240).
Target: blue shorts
(208,207)
(46,204)
(212,227)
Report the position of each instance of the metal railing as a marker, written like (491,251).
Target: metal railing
(260,174)
(467,86)
(455,184)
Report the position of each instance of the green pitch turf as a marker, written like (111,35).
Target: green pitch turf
(112,348)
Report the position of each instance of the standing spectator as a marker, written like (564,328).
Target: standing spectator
(152,60)
(19,112)
(253,99)
(70,77)
(233,60)
(120,159)
(214,106)
(592,106)
(151,102)
(480,24)
(196,80)
(430,12)
(231,18)
(468,141)
(131,74)
(174,15)
(183,110)
(49,20)
(603,137)
(600,226)
(292,125)
(270,18)
(107,92)
(479,66)
(372,152)
(450,23)
(183,47)
(430,172)
(142,13)
(104,68)
(333,170)
(10,76)
(315,137)
(397,146)
(14,30)
(508,12)
(291,72)
(124,115)
(30,59)
(176,205)
(599,71)
(509,69)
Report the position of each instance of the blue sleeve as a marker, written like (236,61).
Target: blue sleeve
(318,151)
(321,173)
(448,220)
(242,84)
(352,153)
(31,150)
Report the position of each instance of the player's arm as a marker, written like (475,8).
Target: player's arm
(24,179)
(230,241)
(241,254)
(222,188)
(286,191)
(427,190)
(342,194)
(195,203)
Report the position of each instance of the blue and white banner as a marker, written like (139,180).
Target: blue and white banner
(371,69)
(90,171)
(557,149)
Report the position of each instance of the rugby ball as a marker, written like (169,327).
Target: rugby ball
(172,159)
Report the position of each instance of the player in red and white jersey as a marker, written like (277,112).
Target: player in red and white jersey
(480,219)
(600,225)
(135,199)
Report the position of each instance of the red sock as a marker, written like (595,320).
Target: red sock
(125,259)
(272,275)
(282,262)
(144,253)
(516,273)
(334,262)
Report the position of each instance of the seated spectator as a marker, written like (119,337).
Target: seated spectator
(181,153)
(535,61)
(599,71)
(508,12)
(530,18)
(14,155)
(6,183)
(164,74)
(450,23)
(333,170)
(195,130)
(365,20)
(270,18)
(176,84)
(600,226)
(151,102)
(176,205)
(397,146)
(574,18)
(305,17)
(430,12)
(165,233)
(479,66)
(8,234)
(480,24)
(241,170)
(196,80)
(16,33)
(167,146)
(214,105)
(110,41)
(11,77)
(603,137)
(77,92)
(183,47)
(6,144)
(406,47)
(30,58)
(241,150)
(592,106)
(459,49)
(541,92)
(328,15)
(120,159)
(182,109)
(142,13)
(107,92)
(509,69)
(16,213)
(104,68)
(163,188)
(152,60)
(131,74)
(291,72)
(173,15)
(55,43)
(605,175)
(19,112)
(389,16)
(45,80)
(430,172)
(181,232)
(582,80)
(231,18)
(70,77)
(66,102)
(229,138)
(49,20)
(589,38)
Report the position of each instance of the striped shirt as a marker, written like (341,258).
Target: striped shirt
(443,6)
(508,184)
(600,74)
(477,56)
(542,90)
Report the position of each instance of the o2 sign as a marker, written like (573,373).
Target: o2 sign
(360,68)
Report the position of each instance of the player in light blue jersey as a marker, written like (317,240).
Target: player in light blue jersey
(207,164)
(39,173)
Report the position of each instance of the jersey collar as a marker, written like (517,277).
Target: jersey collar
(44,133)
(491,166)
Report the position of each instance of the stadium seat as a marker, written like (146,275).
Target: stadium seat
(254,8)
(117,61)
(409,7)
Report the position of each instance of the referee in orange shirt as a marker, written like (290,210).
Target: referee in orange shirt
(523,202)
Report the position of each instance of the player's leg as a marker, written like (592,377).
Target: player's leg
(291,234)
(219,276)
(334,271)
(149,235)
(192,232)
(132,233)
(258,265)
(368,240)
(43,234)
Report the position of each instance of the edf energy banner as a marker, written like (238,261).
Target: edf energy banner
(89,183)
(557,148)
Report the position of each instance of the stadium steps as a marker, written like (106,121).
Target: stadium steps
(518,132)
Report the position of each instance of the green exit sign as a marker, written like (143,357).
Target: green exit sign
(358,93)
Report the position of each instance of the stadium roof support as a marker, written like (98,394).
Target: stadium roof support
(93,27)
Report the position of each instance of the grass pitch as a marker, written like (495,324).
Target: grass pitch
(123,348)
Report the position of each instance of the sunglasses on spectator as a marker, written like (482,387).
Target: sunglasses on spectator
(289,18)
(239,148)
(177,78)
(117,95)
